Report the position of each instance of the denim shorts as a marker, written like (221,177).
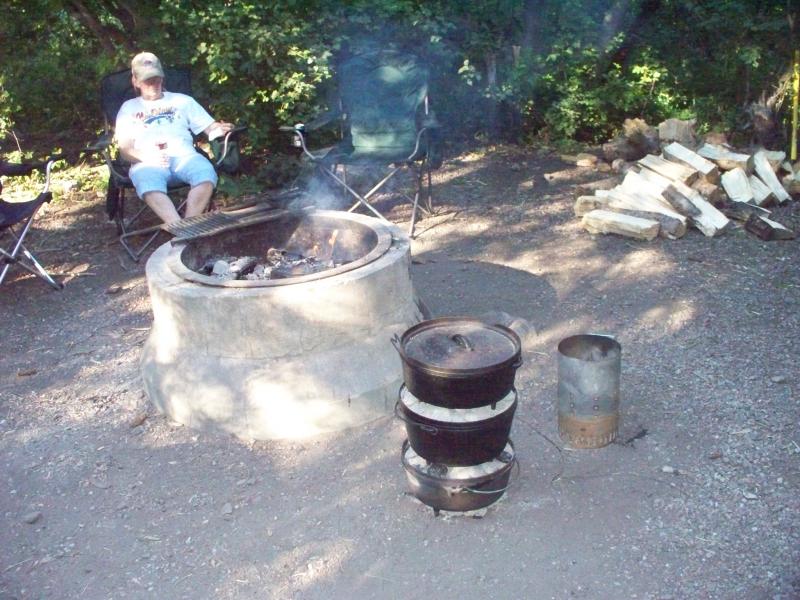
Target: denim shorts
(193,169)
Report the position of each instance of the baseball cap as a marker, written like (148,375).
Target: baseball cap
(146,65)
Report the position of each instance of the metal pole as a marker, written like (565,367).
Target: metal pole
(796,90)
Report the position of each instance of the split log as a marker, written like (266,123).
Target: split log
(741,211)
(791,184)
(761,192)
(717,138)
(620,199)
(774,157)
(713,193)
(670,227)
(641,135)
(636,184)
(682,155)
(585,204)
(621,149)
(582,159)
(604,221)
(701,213)
(586,189)
(677,130)
(767,229)
(680,203)
(669,169)
(764,170)
(724,158)
(737,186)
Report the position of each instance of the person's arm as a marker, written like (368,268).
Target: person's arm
(217,129)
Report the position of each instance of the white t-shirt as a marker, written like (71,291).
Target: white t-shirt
(164,125)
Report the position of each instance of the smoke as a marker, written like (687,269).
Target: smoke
(321,193)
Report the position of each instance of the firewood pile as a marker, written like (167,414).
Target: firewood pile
(676,181)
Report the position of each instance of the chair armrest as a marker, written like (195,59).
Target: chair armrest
(225,150)
(101,144)
(324,119)
(430,121)
(237,130)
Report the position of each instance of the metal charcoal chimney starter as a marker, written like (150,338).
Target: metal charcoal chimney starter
(280,358)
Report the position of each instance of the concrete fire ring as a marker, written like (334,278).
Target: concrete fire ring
(281,362)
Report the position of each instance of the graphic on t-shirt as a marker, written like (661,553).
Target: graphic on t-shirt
(156,115)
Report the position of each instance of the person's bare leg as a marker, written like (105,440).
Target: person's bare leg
(162,206)
(198,198)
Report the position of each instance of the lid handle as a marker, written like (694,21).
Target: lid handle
(462,341)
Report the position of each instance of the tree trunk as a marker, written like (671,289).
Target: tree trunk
(107,36)
(534,13)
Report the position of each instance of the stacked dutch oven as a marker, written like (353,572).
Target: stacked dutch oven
(458,402)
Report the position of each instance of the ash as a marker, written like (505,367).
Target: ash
(277,264)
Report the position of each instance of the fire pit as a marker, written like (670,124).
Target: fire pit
(288,357)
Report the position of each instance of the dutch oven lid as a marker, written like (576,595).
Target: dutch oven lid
(460,343)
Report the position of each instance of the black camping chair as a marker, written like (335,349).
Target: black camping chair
(382,110)
(115,89)
(16,219)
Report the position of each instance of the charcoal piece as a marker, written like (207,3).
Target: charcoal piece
(243,265)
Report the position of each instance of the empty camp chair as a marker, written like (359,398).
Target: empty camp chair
(15,221)
(382,110)
(115,89)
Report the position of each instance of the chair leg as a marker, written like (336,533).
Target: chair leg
(123,229)
(365,198)
(136,253)
(430,193)
(37,269)
(12,258)
(359,198)
(416,205)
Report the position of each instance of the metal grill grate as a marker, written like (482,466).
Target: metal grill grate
(210,224)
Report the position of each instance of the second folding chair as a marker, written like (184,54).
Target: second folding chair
(383,112)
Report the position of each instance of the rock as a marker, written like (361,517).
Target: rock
(778,379)
(750,496)
(113,289)
(32,517)
(227,508)
(140,418)
(668,469)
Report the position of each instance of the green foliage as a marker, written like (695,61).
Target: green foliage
(553,69)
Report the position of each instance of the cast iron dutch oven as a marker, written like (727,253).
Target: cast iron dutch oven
(457,437)
(459,362)
(458,489)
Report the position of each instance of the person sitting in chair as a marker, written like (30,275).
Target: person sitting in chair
(154,132)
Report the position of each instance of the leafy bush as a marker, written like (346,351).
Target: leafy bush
(512,68)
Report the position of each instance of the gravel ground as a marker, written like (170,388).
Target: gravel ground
(101,497)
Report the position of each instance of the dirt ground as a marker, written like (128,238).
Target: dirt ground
(101,497)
